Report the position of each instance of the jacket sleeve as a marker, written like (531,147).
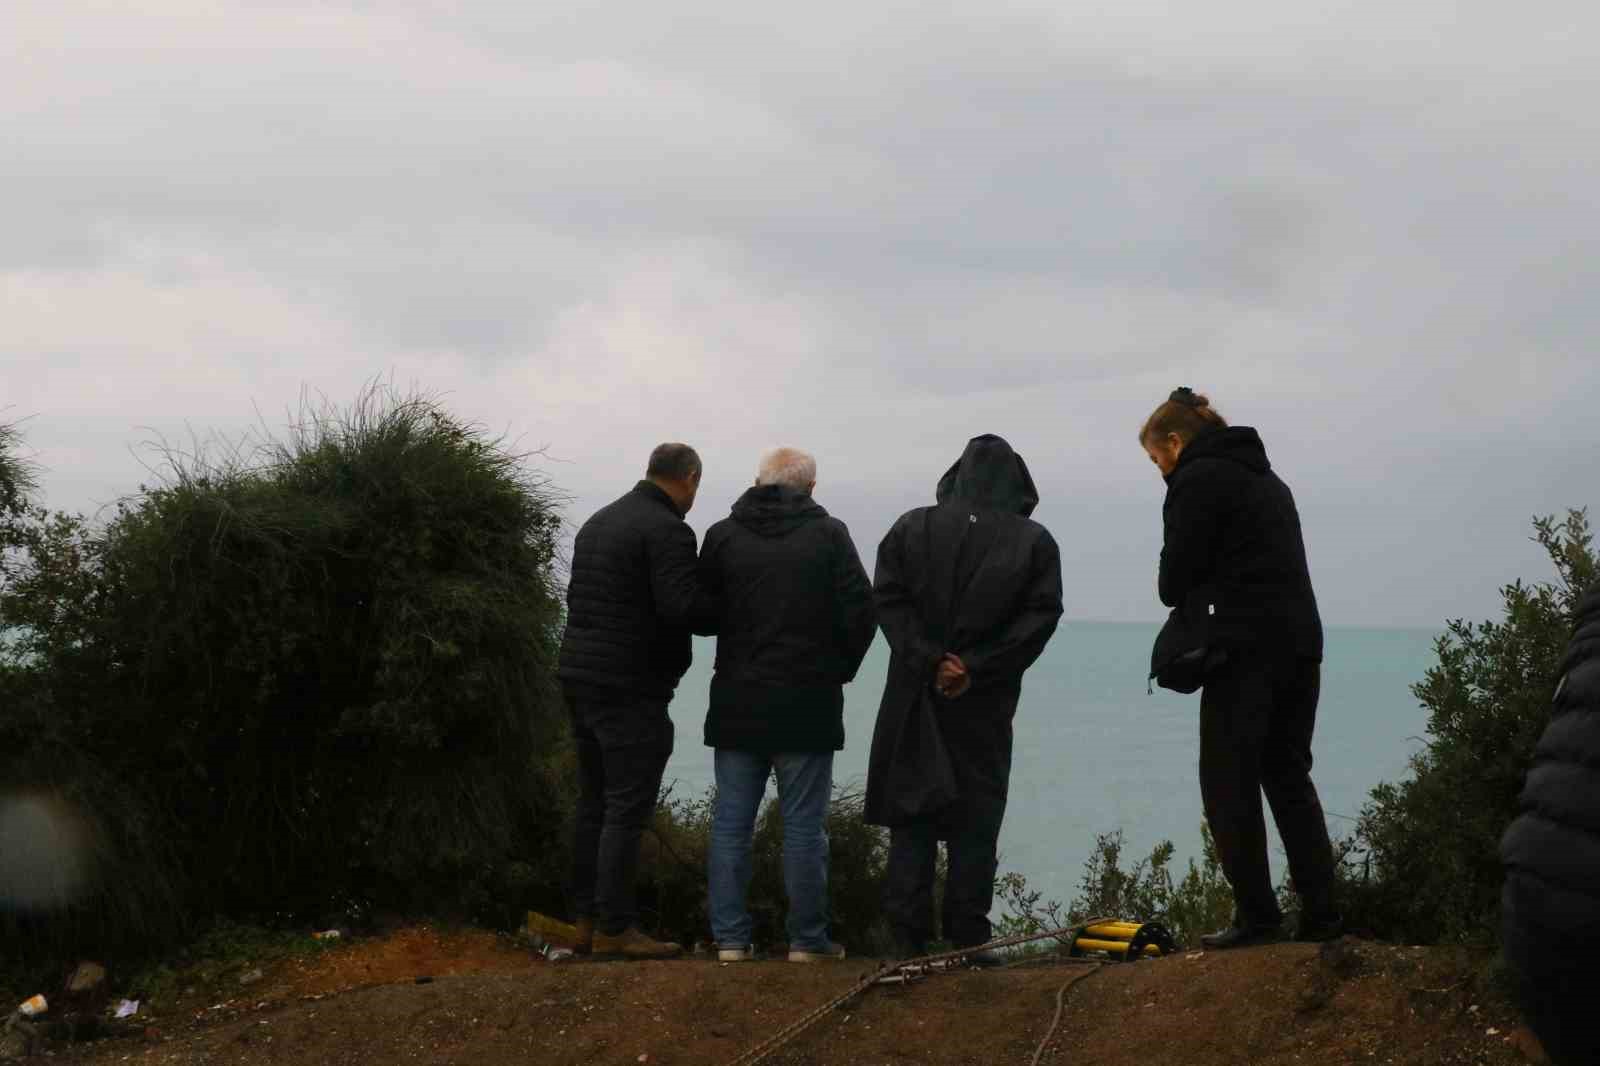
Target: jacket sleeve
(711,583)
(675,584)
(1192,521)
(856,618)
(1007,652)
(897,609)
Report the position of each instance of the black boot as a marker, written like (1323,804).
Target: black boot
(1243,935)
(1317,927)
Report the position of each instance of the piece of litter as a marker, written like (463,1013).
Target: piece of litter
(1195,955)
(127,1008)
(34,1006)
(1492,1032)
(327,934)
(644,1058)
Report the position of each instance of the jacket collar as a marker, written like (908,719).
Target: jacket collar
(655,492)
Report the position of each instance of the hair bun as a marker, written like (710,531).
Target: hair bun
(1188,397)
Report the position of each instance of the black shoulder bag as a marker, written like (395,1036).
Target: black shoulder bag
(1184,652)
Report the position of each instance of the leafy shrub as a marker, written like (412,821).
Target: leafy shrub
(1200,902)
(313,675)
(1425,865)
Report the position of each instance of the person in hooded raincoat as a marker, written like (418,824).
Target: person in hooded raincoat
(968,594)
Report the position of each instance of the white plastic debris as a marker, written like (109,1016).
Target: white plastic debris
(33,1006)
(127,1008)
(327,934)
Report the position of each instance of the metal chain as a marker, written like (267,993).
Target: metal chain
(753,1055)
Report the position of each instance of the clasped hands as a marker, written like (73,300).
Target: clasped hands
(950,677)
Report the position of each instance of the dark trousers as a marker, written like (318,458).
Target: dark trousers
(979,740)
(1257,714)
(623,745)
(971,842)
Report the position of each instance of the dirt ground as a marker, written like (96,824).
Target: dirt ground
(485,1000)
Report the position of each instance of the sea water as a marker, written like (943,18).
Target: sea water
(1096,752)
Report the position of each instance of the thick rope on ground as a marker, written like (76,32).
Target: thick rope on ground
(751,1056)
(1061,1003)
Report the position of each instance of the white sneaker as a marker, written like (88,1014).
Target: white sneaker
(833,953)
(744,954)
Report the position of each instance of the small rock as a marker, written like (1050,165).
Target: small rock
(251,977)
(86,979)
(644,1058)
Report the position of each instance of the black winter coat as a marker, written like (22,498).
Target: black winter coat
(976,577)
(634,598)
(796,619)
(1551,900)
(1232,539)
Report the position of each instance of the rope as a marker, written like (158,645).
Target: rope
(753,1055)
(1061,1002)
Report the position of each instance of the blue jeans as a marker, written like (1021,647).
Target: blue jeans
(805,783)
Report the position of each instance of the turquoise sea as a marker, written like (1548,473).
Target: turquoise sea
(1095,752)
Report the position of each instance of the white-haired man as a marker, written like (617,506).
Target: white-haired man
(796,619)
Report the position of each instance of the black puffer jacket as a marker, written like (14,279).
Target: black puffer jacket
(1232,539)
(796,620)
(1551,900)
(634,598)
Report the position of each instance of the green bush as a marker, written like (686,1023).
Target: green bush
(673,873)
(1424,866)
(1199,902)
(313,676)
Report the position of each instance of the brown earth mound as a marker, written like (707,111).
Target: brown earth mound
(485,1000)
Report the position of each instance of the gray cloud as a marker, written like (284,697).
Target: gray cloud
(868,231)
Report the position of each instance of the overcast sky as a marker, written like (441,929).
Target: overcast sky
(869,230)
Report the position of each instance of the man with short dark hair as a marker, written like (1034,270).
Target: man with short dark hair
(796,619)
(633,601)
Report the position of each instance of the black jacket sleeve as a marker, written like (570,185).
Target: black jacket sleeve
(897,608)
(1007,652)
(856,617)
(675,585)
(711,583)
(1192,515)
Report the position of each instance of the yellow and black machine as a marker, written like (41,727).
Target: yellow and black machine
(1124,941)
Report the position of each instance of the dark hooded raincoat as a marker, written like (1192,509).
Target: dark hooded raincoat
(973,576)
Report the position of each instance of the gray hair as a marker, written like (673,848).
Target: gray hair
(789,467)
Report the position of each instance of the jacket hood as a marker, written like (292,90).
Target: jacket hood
(1237,444)
(991,476)
(773,510)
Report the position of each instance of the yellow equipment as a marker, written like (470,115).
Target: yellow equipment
(1125,941)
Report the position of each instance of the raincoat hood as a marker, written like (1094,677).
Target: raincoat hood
(774,510)
(991,476)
